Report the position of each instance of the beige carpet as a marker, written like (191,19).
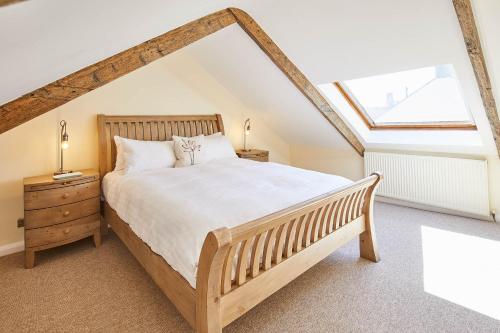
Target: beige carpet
(78,288)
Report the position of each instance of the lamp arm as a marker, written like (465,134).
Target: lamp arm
(63,128)
(61,168)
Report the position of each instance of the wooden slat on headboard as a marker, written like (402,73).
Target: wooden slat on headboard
(157,128)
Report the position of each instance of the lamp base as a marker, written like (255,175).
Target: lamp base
(62,172)
(67,175)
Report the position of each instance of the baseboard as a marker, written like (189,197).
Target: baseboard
(410,204)
(11,248)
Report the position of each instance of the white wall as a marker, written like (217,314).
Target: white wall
(346,163)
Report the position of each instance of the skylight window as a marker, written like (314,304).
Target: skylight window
(428,97)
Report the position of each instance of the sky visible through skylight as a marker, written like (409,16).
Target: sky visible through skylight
(430,94)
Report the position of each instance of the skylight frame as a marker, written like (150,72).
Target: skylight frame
(372,125)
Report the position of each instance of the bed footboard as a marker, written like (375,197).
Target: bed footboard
(241,266)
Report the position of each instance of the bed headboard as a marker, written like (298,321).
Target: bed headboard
(149,128)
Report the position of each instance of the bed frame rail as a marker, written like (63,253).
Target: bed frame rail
(241,266)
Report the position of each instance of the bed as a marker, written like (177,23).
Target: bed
(218,243)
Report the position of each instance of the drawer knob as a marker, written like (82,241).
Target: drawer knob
(66,213)
(66,231)
(65,195)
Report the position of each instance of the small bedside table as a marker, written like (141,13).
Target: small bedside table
(253,154)
(58,212)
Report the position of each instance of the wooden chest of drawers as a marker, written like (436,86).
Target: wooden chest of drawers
(254,154)
(58,212)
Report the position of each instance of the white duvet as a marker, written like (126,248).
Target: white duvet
(173,209)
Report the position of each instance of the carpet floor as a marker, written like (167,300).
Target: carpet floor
(438,273)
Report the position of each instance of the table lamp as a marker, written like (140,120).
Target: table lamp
(64,146)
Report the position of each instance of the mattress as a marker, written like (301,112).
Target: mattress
(173,209)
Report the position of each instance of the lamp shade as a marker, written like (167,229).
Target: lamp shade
(64,135)
(246,131)
(247,127)
(64,142)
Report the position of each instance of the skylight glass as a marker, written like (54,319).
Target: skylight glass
(425,95)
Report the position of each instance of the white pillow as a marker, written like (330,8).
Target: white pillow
(218,146)
(136,155)
(189,150)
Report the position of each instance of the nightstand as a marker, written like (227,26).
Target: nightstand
(253,154)
(58,212)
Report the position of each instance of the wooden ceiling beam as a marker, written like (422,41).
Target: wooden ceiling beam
(9,2)
(89,78)
(467,22)
(57,93)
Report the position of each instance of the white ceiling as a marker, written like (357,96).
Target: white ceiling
(329,40)
(252,77)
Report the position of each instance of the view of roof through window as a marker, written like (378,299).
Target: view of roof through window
(425,95)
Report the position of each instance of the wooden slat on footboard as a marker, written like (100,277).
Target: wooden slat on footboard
(272,251)
(290,235)
(240,300)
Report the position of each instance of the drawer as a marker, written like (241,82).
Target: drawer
(60,196)
(44,217)
(61,232)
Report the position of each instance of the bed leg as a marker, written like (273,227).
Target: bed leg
(367,241)
(97,238)
(29,258)
(104,221)
(368,246)
(208,326)
(104,227)
(208,281)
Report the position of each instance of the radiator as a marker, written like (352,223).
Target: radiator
(450,183)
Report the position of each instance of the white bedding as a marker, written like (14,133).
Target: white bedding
(173,209)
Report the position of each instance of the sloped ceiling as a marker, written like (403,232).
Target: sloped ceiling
(251,76)
(328,40)
(339,40)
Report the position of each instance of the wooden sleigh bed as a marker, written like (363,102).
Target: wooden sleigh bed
(280,246)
